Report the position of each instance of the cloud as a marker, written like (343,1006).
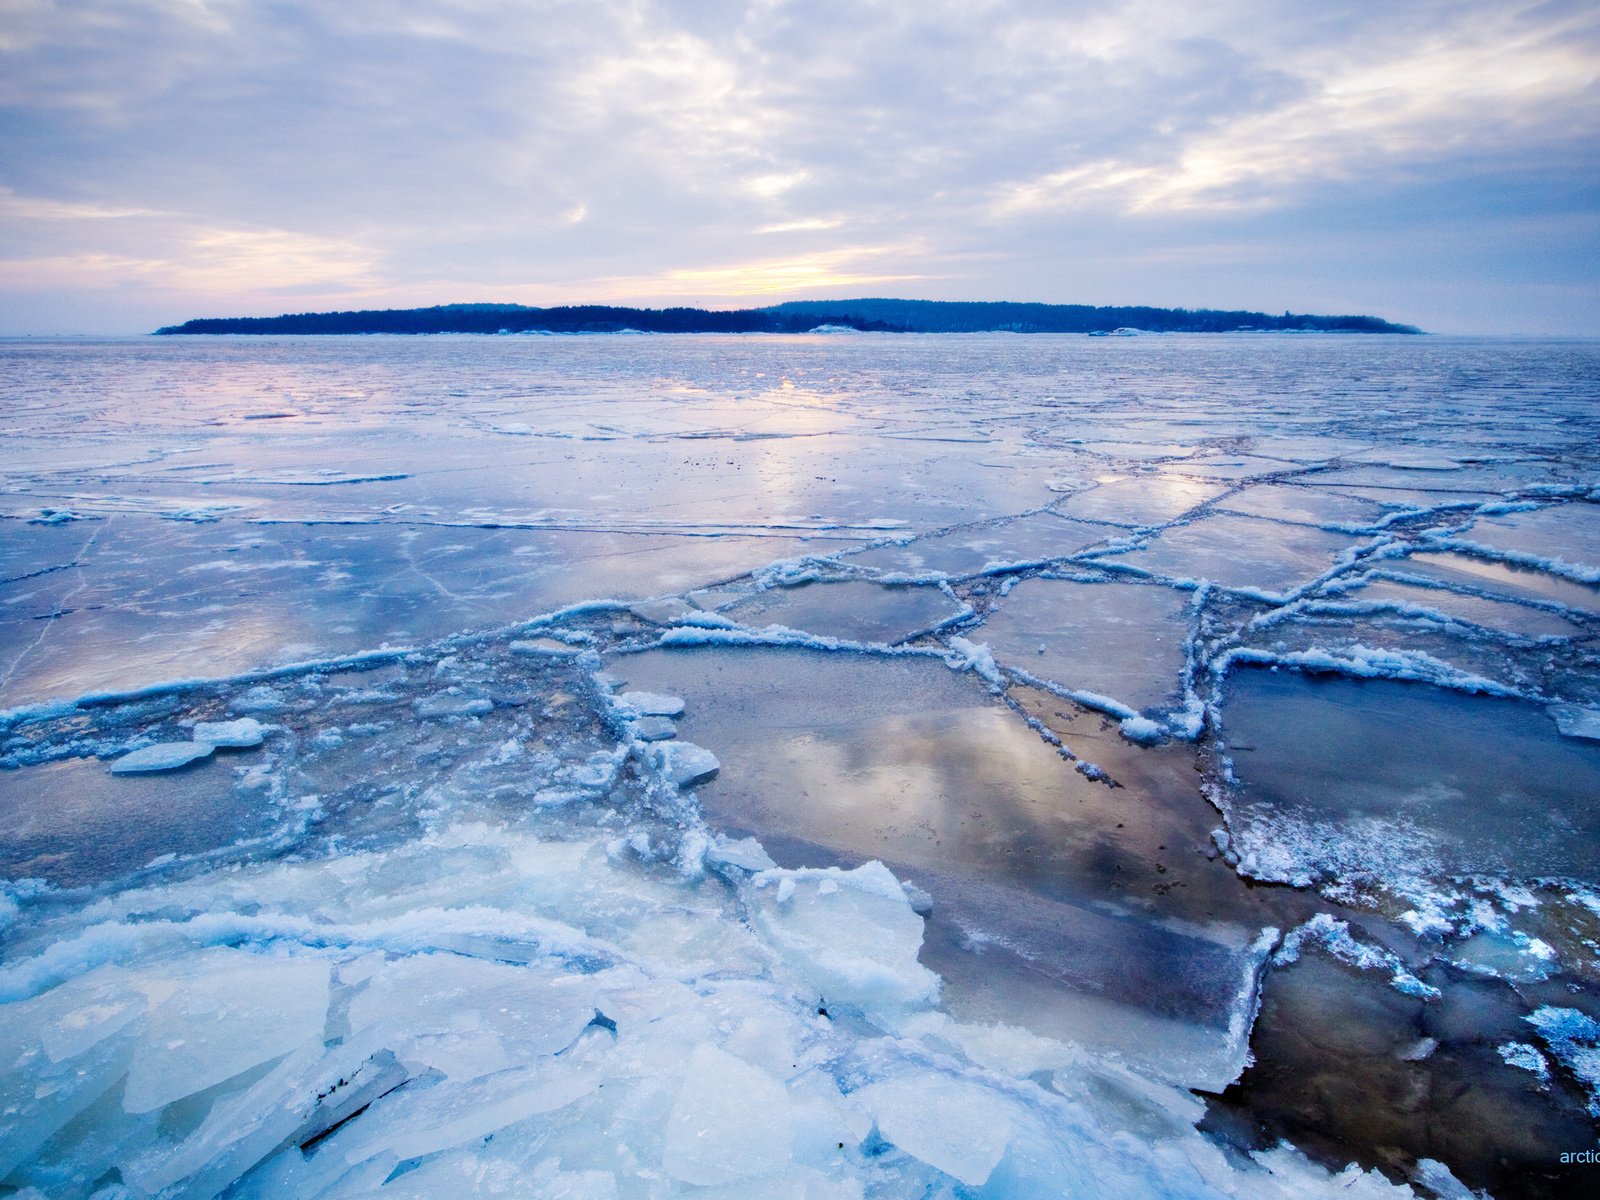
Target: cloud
(513,149)
(1489,86)
(174,257)
(833,269)
(32,208)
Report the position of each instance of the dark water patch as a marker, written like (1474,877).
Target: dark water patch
(73,823)
(1347,1067)
(1481,784)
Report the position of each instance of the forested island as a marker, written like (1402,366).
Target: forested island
(795,316)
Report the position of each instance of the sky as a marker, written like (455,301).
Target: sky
(1435,162)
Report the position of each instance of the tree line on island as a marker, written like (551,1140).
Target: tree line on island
(795,316)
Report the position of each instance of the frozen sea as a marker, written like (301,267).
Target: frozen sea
(837,766)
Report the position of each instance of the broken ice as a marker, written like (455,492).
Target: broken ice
(563,750)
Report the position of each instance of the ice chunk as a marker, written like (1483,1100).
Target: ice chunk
(310,1092)
(59,1052)
(470,1172)
(1141,730)
(163,756)
(259,699)
(246,731)
(684,763)
(292,1173)
(221,1012)
(1574,1039)
(651,704)
(447,704)
(543,647)
(1441,1181)
(851,934)
(663,612)
(730,1121)
(1524,1057)
(951,1124)
(654,729)
(746,853)
(1576,722)
(537,1011)
(415,1121)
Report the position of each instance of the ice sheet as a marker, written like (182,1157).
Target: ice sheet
(452,815)
(857,612)
(1121,640)
(1489,575)
(1152,499)
(1335,772)
(1241,552)
(971,551)
(1479,610)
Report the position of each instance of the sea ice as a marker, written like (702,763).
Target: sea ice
(1494,576)
(244,732)
(1142,500)
(1410,600)
(449,704)
(668,611)
(1377,779)
(1575,721)
(414,1122)
(651,704)
(479,1010)
(1119,640)
(1304,505)
(534,1011)
(958,1128)
(745,853)
(729,1122)
(1240,552)
(228,1011)
(684,764)
(966,552)
(163,756)
(534,647)
(1141,730)
(1573,1037)
(59,1052)
(851,934)
(853,611)
(1568,535)
(653,729)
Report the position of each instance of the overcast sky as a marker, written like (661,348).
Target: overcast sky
(1430,161)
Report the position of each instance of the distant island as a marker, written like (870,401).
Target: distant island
(795,316)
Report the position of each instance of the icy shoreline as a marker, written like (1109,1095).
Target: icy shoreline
(327,1022)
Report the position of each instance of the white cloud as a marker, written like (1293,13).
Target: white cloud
(613,143)
(803,225)
(33,208)
(776,183)
(172,257)
(1485,86)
